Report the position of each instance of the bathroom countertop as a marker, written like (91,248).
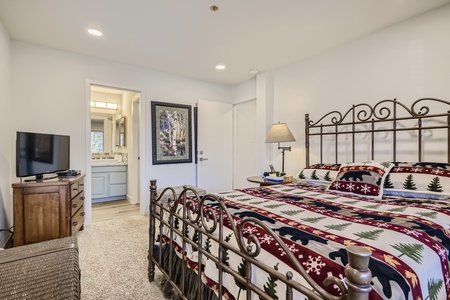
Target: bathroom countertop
(106,162)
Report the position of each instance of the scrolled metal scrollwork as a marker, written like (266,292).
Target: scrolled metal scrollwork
(158,198)
(363,112)
(164,191)
(192,206)
(252,247)
(335,118)
(192,210)
(209,214)
(425,110)
(383,110)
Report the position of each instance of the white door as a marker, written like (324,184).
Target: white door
(215,146)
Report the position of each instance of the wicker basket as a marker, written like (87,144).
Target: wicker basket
(46,270)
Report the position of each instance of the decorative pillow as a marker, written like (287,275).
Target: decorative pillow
(426,180)
(319,172)
(361,179)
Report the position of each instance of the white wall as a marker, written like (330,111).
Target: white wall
(6,136)
(244,141)
(243,91)
(406,61)
(51,85)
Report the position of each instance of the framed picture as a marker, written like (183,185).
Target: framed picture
(171,133)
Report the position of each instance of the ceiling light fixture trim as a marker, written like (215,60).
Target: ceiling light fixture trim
(95,32)
(221,67)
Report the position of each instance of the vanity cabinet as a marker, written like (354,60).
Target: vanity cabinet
(109,183)
(46,210)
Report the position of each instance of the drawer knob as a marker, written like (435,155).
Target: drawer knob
(82,214)
(75,223)
(82,198)
(75,205)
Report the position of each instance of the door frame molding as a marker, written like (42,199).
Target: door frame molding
(136,116)
(88,175)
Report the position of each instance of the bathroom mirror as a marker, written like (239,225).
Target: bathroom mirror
(101,133)
(120,132)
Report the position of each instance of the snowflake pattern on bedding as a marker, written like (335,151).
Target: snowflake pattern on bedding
(409,238)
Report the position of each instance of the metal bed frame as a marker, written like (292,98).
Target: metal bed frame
(389,113)
(195,216)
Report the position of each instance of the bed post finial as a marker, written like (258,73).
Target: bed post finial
(151,242)
(357,273)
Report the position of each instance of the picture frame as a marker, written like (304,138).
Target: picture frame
(171,133)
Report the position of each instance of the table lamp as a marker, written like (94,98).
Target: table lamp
(280,133)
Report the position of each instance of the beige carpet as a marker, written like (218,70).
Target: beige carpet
(113,260)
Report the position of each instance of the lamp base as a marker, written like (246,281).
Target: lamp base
(282,157)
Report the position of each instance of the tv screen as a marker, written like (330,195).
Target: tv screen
(40,153)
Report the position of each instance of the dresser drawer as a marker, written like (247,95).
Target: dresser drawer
(81,185)
(76,203)
(74,189)
(77,221)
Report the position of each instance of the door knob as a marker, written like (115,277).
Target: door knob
(203,158)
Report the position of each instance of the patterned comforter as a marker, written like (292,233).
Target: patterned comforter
(409,239)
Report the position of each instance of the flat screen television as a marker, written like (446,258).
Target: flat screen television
(40,153)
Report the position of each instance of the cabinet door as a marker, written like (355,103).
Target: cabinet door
(117,177)
(118,183)
(99,184)
(118,189)
(41,217)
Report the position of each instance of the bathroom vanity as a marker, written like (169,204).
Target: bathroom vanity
(109,181)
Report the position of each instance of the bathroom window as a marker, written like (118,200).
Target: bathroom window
(97,141)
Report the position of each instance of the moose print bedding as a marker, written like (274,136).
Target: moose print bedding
(408,237)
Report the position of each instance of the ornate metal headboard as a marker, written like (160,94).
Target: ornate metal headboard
(387,116)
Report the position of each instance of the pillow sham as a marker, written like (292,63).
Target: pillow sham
(364,179)
(426,180)
(319,172)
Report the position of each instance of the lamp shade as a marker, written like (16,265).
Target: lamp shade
(279,133)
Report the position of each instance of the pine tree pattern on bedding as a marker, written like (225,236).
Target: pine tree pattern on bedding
(409,239)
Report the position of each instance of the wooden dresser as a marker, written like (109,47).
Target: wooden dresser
(48,209)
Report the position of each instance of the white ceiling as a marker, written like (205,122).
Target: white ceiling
(184,37)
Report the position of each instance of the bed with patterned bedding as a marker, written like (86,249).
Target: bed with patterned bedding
(296,241)
(409,239)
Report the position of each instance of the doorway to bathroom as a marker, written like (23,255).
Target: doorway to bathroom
(115,147)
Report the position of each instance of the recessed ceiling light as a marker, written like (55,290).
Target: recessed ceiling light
(95,32)
(214,8)
(221,67)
